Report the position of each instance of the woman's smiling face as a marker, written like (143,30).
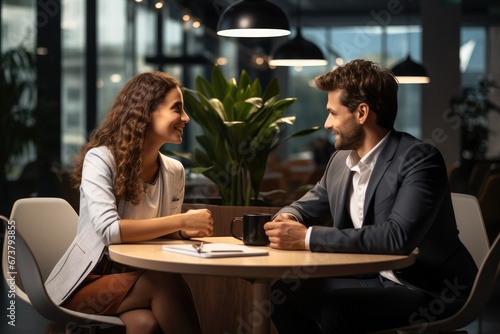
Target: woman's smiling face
(169,119)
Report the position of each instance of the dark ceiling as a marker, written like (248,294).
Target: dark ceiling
(339,12)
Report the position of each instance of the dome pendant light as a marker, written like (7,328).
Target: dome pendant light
(298,51)
(408,71)
(253,18)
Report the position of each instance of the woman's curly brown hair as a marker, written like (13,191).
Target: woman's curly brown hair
(124,131)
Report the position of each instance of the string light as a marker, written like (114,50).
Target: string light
(221,61)
(259,60)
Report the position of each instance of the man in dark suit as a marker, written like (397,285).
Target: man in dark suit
(383,192)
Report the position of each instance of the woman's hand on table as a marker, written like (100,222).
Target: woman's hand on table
(198,223)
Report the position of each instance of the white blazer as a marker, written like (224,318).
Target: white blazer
(98,223)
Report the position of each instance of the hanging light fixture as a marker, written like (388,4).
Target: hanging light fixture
(253,18)
(298,51)
(408,71)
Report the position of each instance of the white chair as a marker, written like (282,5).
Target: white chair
(44,228)
(473,235)
(9,269)
(471,225)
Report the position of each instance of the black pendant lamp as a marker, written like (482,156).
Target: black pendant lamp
(253,18)
(298,51)
(410,72)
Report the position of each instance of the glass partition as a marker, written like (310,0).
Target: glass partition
(126,37)
(19,29)
(385,46)
(73,91)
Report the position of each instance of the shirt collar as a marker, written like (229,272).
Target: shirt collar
(369,160)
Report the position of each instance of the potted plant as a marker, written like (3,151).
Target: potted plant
(240,126)
(17,103)
(473,107)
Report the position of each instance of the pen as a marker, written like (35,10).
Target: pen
(198,248)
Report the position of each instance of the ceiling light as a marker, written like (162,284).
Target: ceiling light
(298,51)
(410,72)
(253,18)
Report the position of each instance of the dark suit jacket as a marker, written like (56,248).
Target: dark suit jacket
(408,205)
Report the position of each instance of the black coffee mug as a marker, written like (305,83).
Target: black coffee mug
(253,228)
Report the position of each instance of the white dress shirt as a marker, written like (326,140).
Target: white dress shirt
(362,171)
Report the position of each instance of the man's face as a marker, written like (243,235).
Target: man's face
(342,123)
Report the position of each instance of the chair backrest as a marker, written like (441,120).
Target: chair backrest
(479,296)
(9,268)
(34,283)
(483,286)
(473,235)
(471,226)
(48,226)
(45,227)
(488,200)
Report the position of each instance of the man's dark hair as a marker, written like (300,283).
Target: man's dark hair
(363,81)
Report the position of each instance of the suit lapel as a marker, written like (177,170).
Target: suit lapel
(342,212)
(341,196)
(383,162)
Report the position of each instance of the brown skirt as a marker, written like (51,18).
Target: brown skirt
(104,289)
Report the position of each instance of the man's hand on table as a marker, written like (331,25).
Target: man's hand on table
(285,232)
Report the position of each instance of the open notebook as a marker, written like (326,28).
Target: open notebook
(216,250)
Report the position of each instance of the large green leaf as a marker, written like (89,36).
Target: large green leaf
(242,110)
(301,133)
(229,111)
(17,105)
(240,126)
(219,83)
(273,89)
(245,81)
(204,88)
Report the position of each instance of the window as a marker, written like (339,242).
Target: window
(19,27)
(73,133)
(341,45)
(472,55)
(386,47)
(127,37)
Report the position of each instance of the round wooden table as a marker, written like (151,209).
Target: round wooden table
(260,270)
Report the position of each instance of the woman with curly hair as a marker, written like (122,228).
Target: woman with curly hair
(130,192)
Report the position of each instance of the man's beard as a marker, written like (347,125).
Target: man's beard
(349,139)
